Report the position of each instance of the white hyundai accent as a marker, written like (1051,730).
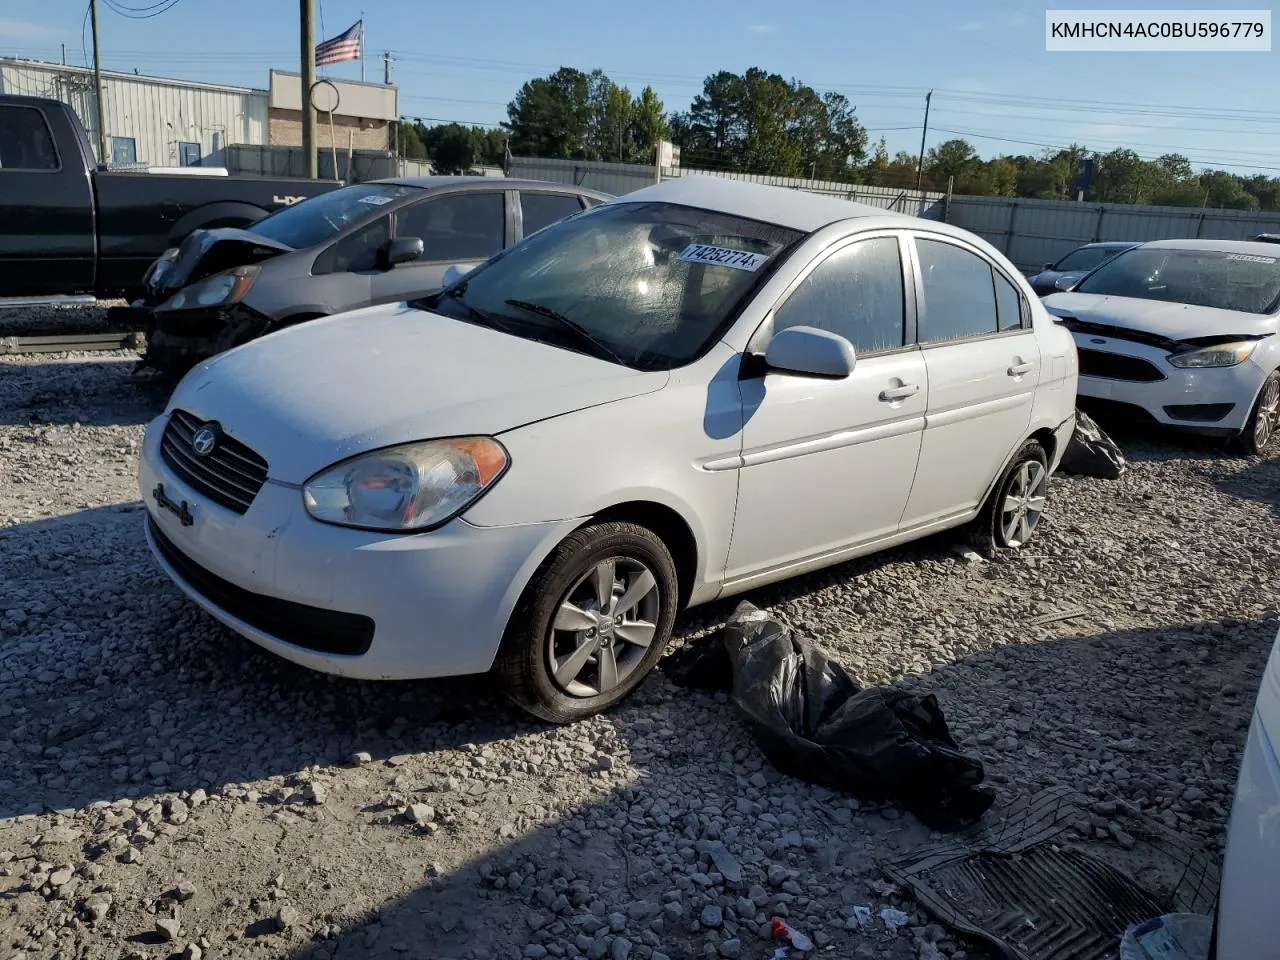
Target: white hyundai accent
(1183,332)
(697,388)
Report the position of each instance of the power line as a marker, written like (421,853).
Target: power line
(141,13)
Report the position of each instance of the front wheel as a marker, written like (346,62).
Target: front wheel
(1264,420)
(591,624)
(1013,512)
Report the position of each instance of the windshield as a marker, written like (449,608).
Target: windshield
(650,285)
(317,219)
(1086,258)
(1203,278)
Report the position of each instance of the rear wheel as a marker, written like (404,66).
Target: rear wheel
(591,624)
(1264,421)
(1012,514)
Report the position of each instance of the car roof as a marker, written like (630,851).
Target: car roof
(1258,248)
(1108,244)
(490,183)
(783,206)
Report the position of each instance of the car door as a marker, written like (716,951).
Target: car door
(541,208)
(457,230)
(828,463)
(975,334)
(47,230)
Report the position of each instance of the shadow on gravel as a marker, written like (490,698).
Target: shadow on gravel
(1259,482)
(98,392)
(1140,715)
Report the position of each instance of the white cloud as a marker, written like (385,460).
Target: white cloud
(971,27)
(24,30)
(761,29)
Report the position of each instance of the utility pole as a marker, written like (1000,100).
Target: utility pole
(308,13)
(387,59)
(923,133)
(103,156)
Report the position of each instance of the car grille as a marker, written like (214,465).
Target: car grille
(230,474)
(1115,366)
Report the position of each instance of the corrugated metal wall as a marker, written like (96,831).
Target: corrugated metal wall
(157,114)
(614,178)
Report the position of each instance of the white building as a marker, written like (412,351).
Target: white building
(164,122)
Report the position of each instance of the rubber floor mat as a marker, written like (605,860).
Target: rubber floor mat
(1037,885)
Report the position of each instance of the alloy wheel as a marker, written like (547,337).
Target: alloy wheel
(1024,502)
(602,627)
(1268,412)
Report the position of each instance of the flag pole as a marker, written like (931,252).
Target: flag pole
(362,46)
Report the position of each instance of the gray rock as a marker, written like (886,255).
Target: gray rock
(168,928)
(620,949)
(97,906)
(422,813)
(731,948)
(745,908)
(360,758)
(184,891)
(61,877)
(778,874)
(711,916)
(617,922)
(285,918)
(193,951)
(535,951)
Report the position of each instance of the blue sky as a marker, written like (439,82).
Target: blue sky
(994,82)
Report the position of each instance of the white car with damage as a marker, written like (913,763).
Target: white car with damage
(698,388)
(1183,333)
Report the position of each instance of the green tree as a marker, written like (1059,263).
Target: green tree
(551,116)
(1122,176)
(454,151)
(954,158)
(409,142)
(1175,166)
(1004,177)
(1224,191)
(648,125)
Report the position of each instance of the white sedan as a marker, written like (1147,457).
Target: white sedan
(692,390)
(1183,333)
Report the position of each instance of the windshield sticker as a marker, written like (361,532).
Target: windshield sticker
(723,257)
(376,200)
(1250,257)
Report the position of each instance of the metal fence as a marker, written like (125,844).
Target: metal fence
(286,161)
(1029,232)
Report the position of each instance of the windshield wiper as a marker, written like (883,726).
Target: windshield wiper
(585,336)
(473,315)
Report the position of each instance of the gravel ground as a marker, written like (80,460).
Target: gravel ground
(51,320)
(168,790)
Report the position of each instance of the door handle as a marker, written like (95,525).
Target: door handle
(900,392)
(1018,369)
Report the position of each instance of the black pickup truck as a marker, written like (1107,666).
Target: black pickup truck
(72,226)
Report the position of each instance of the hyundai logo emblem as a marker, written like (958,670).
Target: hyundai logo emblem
(204,440)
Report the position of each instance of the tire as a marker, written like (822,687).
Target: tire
(558,623)
(994,528)
(1264,420)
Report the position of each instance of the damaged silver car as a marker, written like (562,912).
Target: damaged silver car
(358,246)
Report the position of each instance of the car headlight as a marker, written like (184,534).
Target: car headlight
(1219,355)
(220,290)
(414,486)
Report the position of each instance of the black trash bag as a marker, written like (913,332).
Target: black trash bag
(1091,453)
(813,721)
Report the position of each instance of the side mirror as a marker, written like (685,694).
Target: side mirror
(1048,266)
(1067,284)
(399,250)
(811,352)
(453,275)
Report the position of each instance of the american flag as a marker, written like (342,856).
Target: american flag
(345,46)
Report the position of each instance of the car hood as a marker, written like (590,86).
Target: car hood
(1176,321)
(206,252)
(309,396)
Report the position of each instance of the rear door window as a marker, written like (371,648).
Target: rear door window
(543,209)
(959,297)
(25,140)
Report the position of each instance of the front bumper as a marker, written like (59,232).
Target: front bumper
(1211,400)
(178,340)
(348,602)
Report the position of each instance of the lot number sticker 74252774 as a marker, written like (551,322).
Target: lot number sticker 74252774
(722,257)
